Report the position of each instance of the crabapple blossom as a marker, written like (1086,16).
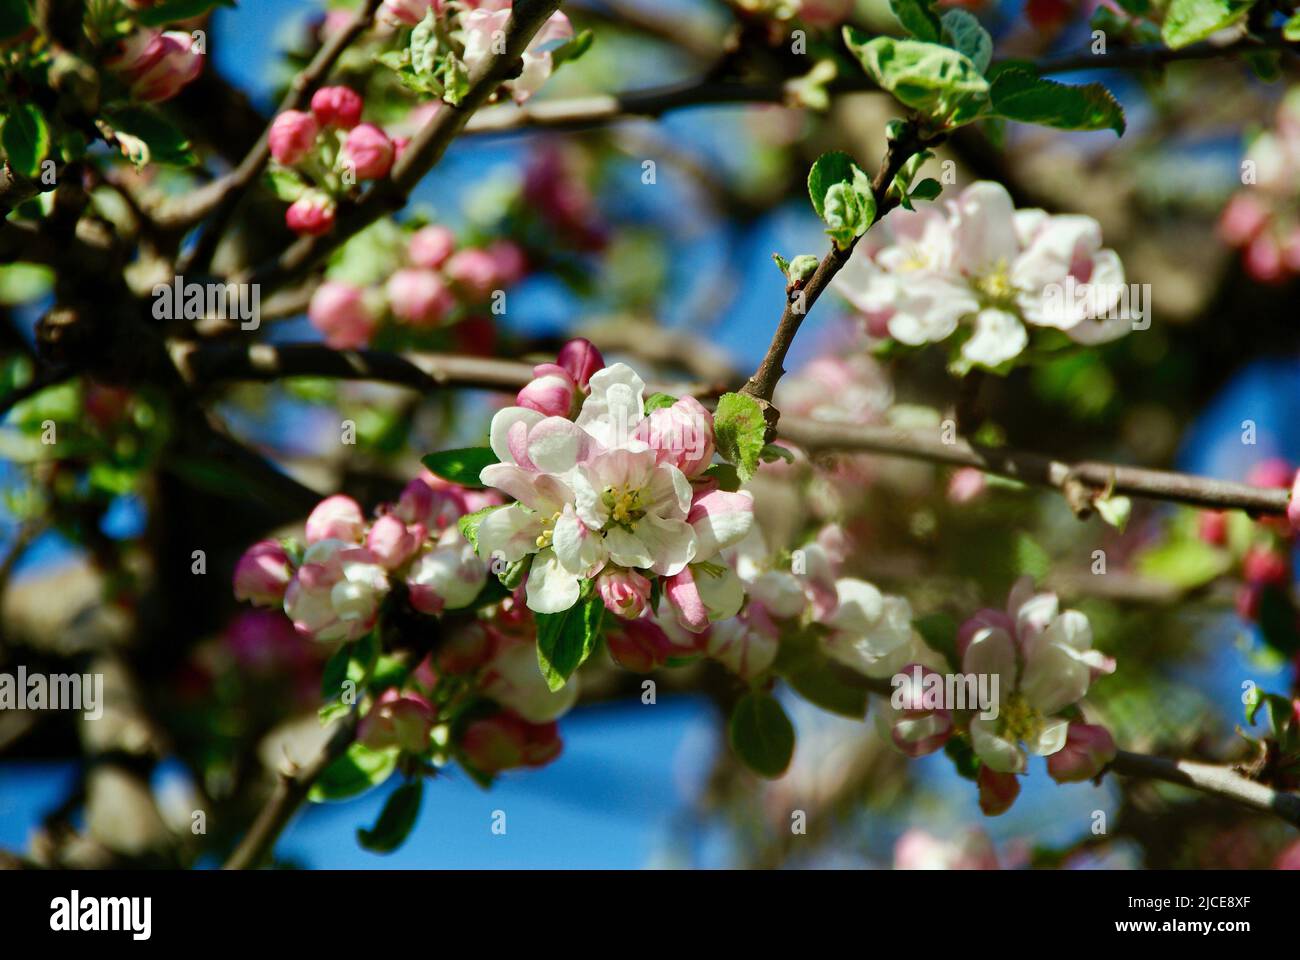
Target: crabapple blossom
(448,576)
(336,518)
(869,631)
(639,645)
(369,151)
(429,247)
(994,269)
(504,741)
(1044,662)
(704,590)
(580,359)
(338,310)
(293,134)
(624,592)
(914,728)
(337,107)
(418,296)
(263,573)
(407,12)
(335,594)
(398,719)
(156,65)
(392,541)
(312,214)
(512,679)
(1087,751)
(552,392)
(681,435)
(481,25)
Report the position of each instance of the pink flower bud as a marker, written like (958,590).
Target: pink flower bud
(369,151)
(293,134)
(505,740)
(1212,527)
(474,271)
(398,720)
(465,650)
(680,435)
(336,518)
(551,392)
(581,359)
(399,147)
(510,262)
(393,542)
(638,645)
(1273,472)
(1247,600)
(1242,220)
(1088,749)
(406,12)
(1264,259)
(419,296)
(998,791)
(311,214)
(265,641)
(262,574)
(1293,505)
(625,592)
(338,311)
(430,246)
(1264,567)
(337,107)
(965,485)
(157,65)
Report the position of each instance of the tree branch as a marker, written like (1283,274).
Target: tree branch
(1217,781)
(290,792)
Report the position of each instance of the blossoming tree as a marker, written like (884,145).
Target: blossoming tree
(439,573)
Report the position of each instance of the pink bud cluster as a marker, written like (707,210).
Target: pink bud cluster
(330,148)
(424,293)
(334,589)
(1260,218)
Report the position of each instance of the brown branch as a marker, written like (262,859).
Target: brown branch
(1217,781)
(421,155)
(290,792)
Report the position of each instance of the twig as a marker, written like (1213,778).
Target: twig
(290,792)
(1218,781)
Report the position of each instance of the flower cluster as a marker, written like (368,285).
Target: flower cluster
(156,64)
(423,293)
(609,492)
(323,152)
(332,587)
(1263,219)
(985,275)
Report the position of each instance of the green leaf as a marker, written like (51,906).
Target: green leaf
(772,452)
(1019,94)
(351,661)
(927,189)
(962,31)
(461,466)
(803,266)
(841,194)
(918,18)
(740,432)
(829,685)
(726,476)
(469,524)
(1114,510)
(761,734)
(26,139)
(162,141)
(1189,21)
(354,773)
(571,49)
(395,820)
(1291,29)
(1186,564)
(932,79)
(657,400)
(939,631)
(565,640)
(174,10)
(15,17)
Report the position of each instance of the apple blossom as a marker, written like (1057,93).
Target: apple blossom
(392,541)
(639,645)
(418,296)
(681,435)
(337,107)
(914,728)
(336,518)
(312,214)
(338,310)
(369,151)
(869,631)
(474,271)
(448,576)
(263,573)
(1087,751)
(335,594)
(706,590)
(429,247)
(156,65)
(293,134)
(504,741)
(1044,661)
(480,26)
(398,720)
(512,679)
(552,392)
(624,592)
(407,12)
(581,359)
